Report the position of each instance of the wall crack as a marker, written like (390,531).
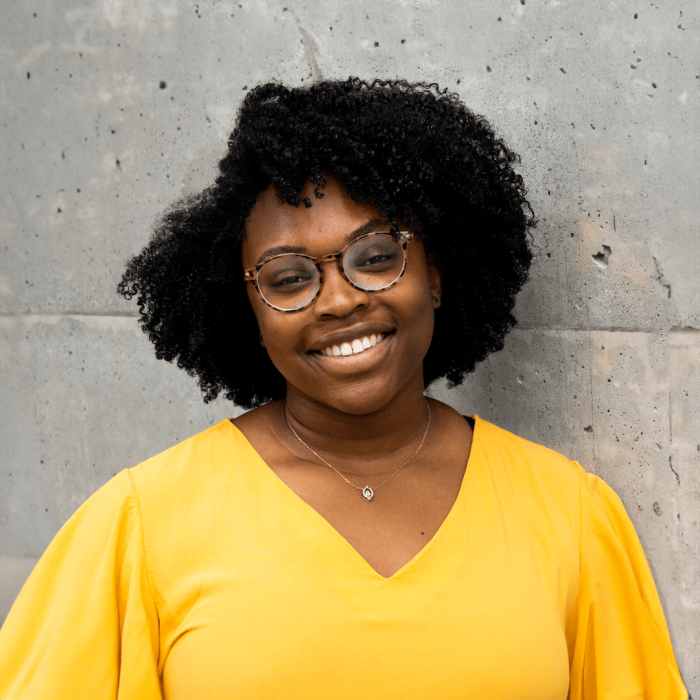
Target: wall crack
(670,464)
(310,51)
(661,278)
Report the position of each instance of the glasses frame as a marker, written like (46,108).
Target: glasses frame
(403,237)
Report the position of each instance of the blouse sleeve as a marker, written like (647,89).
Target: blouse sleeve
(619,642)
(85,626)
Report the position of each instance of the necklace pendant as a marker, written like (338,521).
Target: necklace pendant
(367,493)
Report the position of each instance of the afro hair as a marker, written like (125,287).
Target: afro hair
(416,153)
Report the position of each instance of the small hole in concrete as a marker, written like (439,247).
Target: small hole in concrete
(601,259)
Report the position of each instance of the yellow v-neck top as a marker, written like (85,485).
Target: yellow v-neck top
(200,574)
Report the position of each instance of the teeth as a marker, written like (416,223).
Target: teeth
(355,348)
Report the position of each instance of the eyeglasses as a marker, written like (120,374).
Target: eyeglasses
(291,281)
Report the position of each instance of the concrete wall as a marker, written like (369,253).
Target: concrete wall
(111,108)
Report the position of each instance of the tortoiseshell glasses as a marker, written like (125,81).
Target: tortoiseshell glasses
(291,281)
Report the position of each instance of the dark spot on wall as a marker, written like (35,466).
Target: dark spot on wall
(458,81)
(376,43)
(245,87)
(499,20)
(657,508)
(488,69)
(588,429)
(654,85)
(59,210)
(403,41)
(592,127)
(636,15)
(633,67)
(29,75)
(163,85)
(601,259)
(563,71)
(119,165)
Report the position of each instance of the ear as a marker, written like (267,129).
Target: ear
(434,279)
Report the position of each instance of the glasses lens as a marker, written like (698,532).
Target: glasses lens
(374,262)
(288,282)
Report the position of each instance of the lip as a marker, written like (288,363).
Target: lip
(347,335)
(355,363)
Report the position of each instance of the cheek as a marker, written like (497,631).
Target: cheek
(280,334)
(272,324)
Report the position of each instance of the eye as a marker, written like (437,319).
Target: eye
(289,278)
(377,256)
(286,274)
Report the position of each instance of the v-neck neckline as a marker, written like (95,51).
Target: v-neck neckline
(301,506)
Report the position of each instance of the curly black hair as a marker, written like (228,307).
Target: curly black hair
(413,151)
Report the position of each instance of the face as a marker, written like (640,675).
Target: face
(400,318)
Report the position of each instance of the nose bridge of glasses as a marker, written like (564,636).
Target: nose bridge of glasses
(329,258)
(336,294)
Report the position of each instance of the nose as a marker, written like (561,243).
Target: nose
(337,296)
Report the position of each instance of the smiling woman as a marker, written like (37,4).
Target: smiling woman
(347,537)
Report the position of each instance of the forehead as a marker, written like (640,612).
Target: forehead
(316,229)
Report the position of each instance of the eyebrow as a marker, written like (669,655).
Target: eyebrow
(368,227)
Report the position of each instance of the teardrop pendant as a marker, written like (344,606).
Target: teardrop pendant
(367,493)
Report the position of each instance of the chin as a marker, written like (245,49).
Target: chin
(360,397)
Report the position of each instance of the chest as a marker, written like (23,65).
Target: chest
(409,503)
(404,514)
(464,619)
(275,600)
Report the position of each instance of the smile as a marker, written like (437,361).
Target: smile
(354,347)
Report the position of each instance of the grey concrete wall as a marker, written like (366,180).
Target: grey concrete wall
(111,108)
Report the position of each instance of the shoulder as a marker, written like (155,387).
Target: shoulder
(519,455)
(186,477)
(538,478)
(198,453)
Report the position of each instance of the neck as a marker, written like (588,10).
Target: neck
(367,441)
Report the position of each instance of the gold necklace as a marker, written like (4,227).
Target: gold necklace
(367,492)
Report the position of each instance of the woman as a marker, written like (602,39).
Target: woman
(347,538)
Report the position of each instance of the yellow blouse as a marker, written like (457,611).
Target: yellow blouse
(200,574)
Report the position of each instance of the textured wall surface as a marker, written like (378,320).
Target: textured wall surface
(112,108)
